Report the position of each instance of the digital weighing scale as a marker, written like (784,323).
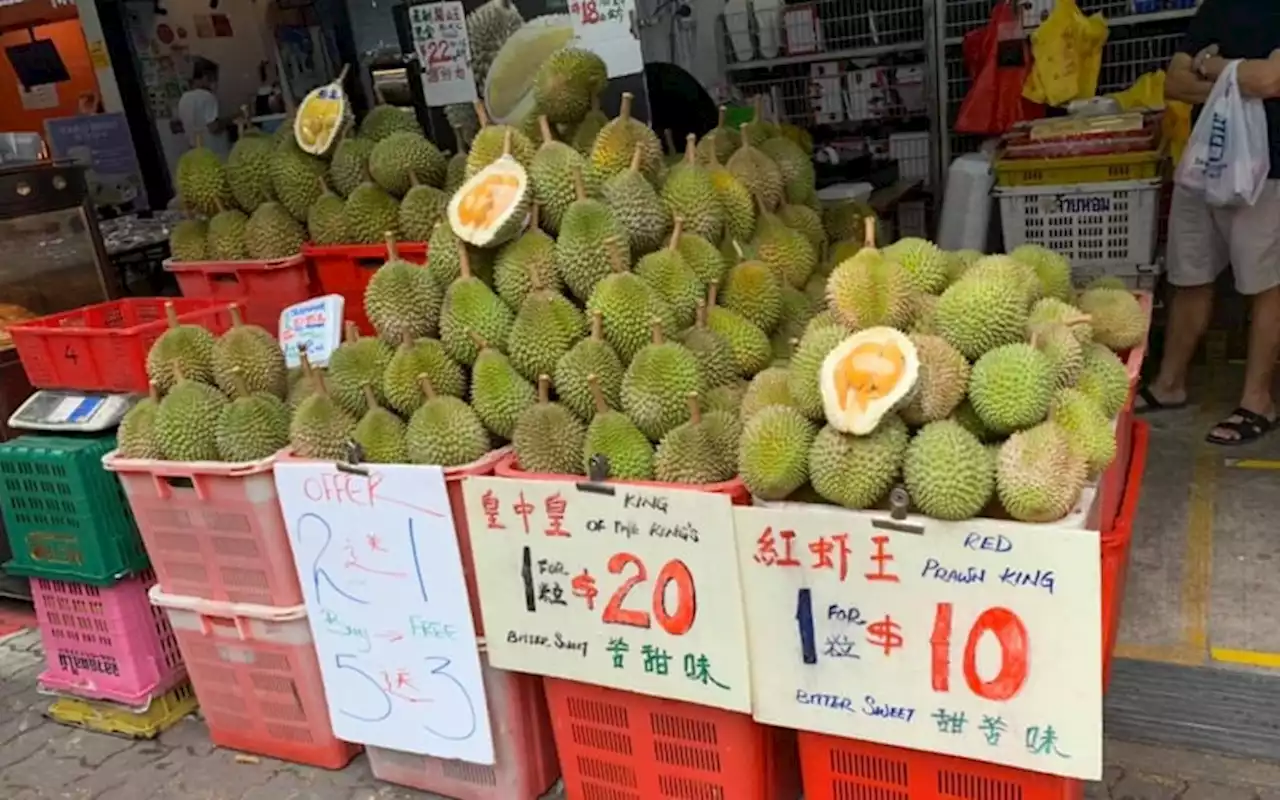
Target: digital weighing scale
(68,411)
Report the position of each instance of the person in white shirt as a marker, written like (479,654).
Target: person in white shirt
(198,110)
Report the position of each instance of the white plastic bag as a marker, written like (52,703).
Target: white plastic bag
(1228,156)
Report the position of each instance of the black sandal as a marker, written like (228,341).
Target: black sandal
(1153,404)
(1247,425)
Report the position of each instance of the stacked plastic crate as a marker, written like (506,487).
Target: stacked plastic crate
(225,579)
(108,653)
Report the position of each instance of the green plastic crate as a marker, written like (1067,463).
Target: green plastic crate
(66,517)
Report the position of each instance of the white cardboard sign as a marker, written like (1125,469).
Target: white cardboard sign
(443,48)
(979,639)
(605,28)
(382,578)
(631,587)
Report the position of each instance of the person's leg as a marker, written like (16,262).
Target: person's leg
(1197,253)
(1255,260)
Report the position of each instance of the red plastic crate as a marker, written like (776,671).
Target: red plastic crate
(617,745)
(263,288)
(525,762)
(835,768)
(106,643)
(104,347)
(345,269)
(1111,485)
(255,671)
(213,530)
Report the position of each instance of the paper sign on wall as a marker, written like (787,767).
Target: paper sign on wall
(382,577)
(605,27)
(628,587)
(978,639)
(443,49)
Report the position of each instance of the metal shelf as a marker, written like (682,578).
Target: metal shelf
(826,55)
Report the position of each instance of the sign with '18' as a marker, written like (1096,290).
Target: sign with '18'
(381,574)
(980,639)
(631,587)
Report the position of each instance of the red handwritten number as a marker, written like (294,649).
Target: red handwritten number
(674,571)
(439,52)
(1010,632)
(614,613)
(679,623)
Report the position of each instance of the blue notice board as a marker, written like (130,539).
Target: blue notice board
(102,142)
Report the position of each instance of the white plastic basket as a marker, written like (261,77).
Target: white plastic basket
(1089,223)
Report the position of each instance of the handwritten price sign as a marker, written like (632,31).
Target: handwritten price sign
(443,49)
(629,587)
(979,639)
(382,577)
(605,26)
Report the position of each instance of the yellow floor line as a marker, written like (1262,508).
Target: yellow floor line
(1198,569)
(1250,463)
(1248,658)
(1172,654)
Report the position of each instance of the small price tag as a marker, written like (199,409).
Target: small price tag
(315,324)
(605,27)
(443,48)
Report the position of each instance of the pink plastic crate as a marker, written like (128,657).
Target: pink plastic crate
(255,671)
(213,530)
(524,751)
(106,644)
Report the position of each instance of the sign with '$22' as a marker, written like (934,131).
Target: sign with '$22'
(631,587)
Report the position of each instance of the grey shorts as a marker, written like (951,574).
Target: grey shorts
(1203,240)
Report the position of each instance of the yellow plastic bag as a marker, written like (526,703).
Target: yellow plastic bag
(1068,56)
(1148,93)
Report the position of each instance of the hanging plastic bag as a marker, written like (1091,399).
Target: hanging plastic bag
(998,59)
(1068,56)
(1228,158)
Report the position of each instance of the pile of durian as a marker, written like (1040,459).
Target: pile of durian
(271,197)
(688,316)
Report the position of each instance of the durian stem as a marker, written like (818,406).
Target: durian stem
(625,111)
(869,226)
(695,413)
(597,326)
(352,333)
(636,155)
(406,339)
(691,149)
(481,113)
(236,319)
(597,394)
(670,140)
(153,392)
(424,383)
(677,229)
(370,396)
(464,261)
(533,216)
(712,153)
(700,316)
(179,374)
(506,141)
(746,145)
(757,105)
(721,114)
(459,139)
(303,361)
(544,388)
(238,383)
(1077,319)
(390,238)
(477,339)
(545,126)
(342,74)
(242,120)
(737,248)
(713,289)
(655,331)
(615,254)
(579,186)
(171,314)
